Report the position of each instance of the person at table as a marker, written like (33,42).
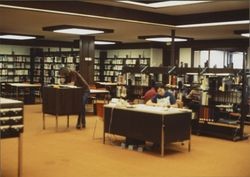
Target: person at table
(72,77)
(150,93)
(162,98)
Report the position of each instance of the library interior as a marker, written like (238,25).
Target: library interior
(124,88)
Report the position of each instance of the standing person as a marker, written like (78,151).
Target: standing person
(162,98)
(72,77)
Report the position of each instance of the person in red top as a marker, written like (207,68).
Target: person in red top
(150,93)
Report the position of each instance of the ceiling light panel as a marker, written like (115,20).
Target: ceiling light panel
(165,39)
(245,34)
(163,3)
(104,42)
(16,37)
(78,31)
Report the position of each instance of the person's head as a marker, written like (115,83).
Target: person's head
(160,89)
(64,72)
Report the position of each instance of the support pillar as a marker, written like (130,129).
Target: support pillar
(87,57)
(172,57)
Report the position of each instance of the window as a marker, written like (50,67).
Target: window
(204,56)
(237,59)
(216,59)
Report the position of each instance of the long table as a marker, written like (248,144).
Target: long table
(15,88)
(148,123)
(99,92)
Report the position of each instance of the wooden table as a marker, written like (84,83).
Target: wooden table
(148,123)
(62,101)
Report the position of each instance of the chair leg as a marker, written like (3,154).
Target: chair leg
(95,127)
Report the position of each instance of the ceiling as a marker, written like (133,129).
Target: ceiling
(126,25)
(211,6)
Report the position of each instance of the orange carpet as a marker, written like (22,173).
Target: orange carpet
(73,153)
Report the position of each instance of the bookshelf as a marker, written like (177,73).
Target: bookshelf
(46,65)
(15,68)
(113,67)
(97,69)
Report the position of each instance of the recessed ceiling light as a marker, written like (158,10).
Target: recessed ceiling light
(165,39)
(104,42)
(245,34)
(214,24)
(16,37)
(78,31)
(163,3)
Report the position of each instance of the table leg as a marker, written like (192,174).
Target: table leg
(43,121)
(40,95)
(162,138)
(20,155)
(56,122)
(103,137)
(67,121)
(189,142)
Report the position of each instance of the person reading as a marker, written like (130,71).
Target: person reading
(72,77)
(162,98)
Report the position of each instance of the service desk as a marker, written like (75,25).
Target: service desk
(148,123)
(62,101)
(11,124)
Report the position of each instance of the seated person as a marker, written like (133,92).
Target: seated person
(162,98)
(150,93)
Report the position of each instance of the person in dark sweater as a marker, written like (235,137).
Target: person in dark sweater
(72,77)
(162,98)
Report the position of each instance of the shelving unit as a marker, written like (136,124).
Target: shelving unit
(12,125)
(247,120)
(97,69)
(53,61)
(14,68)
(113,67)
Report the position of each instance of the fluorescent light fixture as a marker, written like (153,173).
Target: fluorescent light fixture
(165,39)
(104,42)
(78,31)
(163,3)
(214,24)
(16,37)
(245,34)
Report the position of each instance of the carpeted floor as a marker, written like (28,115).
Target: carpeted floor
(73,153)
